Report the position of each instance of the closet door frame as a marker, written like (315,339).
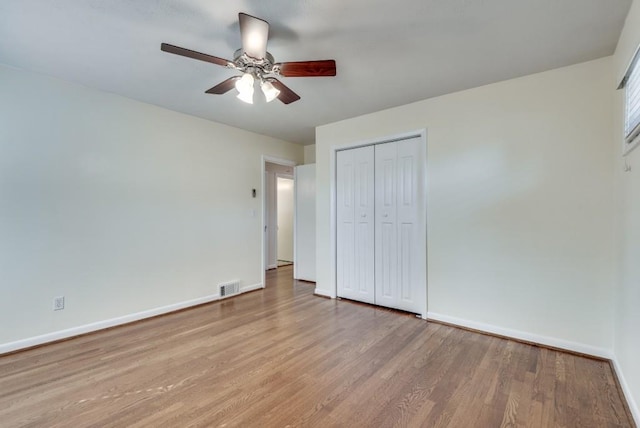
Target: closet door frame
(422,134)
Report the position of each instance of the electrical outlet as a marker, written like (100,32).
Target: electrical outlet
(58,303)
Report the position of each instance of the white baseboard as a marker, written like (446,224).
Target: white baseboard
(101,325)
(325,293)
(522,335)
(247,288)
(633,406)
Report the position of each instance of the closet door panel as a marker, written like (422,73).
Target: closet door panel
(345,215)
(411,220)
(355,209)
(386,231)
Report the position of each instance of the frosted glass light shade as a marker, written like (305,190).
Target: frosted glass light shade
(245,88)
(245,83)
(270,92)
(246,95)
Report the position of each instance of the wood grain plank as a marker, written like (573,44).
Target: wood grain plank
(284,357)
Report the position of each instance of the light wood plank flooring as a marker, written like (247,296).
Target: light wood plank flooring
(282,357)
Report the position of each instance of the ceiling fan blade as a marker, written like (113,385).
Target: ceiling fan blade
(193,54)
(255,33)
(286,95)
(308,68)
(224,87)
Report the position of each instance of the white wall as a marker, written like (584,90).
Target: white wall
(627,310)
(519,203)
(285,219)
(118,205)
(310,154)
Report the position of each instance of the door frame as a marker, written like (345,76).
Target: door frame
(333,235)
(278,161)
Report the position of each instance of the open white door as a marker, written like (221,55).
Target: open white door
(304,266)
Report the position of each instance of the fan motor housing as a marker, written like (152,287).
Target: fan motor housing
(260,67)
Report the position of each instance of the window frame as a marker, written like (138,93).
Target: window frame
(631,139)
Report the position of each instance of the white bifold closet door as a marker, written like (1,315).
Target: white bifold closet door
(382,261)
(400,226)
(355,221)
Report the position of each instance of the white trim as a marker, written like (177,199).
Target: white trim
(252,287)
(295,221)
(629,146)
(112,322)
(287,176)
(263,240)
(279,161)
(333,285)
(523,335)
(425,142)
(325,293)
(623,78)
(633,406)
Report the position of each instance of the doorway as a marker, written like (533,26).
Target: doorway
(285,207)
(278,211)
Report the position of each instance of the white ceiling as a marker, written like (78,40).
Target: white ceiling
(388,53)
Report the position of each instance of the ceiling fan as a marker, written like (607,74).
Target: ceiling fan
(257,64)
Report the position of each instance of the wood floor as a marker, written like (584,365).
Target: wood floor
(282,357)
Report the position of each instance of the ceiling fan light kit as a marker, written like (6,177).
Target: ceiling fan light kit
(257,64)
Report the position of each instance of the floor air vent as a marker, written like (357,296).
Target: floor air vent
(229,288)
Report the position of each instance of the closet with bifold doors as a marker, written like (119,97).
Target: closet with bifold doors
(381,242)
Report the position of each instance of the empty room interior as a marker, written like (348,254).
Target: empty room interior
(320,213)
